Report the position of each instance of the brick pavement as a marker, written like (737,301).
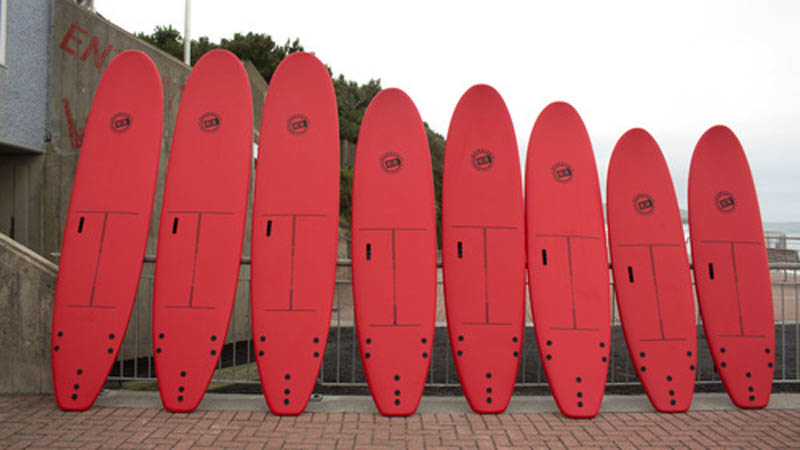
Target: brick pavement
(35,422)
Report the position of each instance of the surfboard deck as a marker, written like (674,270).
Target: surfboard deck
(106,231)
(394,252)
(295,231)
(651,271)
(202,228)
(730,267)
(483,248)
(567,260)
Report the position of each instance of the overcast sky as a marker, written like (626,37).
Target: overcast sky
(673,67)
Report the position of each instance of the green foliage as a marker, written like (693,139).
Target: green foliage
(200,47)
(165,38)
(352,98)
(436,143)
(261,50)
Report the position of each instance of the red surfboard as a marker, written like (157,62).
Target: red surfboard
(651,271)
(730,267)
(483,248)
(202,228)
(394,252)
(567,260)
(106,230)
(295,231)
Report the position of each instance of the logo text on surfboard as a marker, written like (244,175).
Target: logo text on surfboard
(391,162)
(643,204)
(563,172)
(725,201)
(210,122)
(482,159)
(120,122)
(297,124)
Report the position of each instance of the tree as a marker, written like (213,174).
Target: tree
(436,143)
(352,100)
(165,38)
(260,50)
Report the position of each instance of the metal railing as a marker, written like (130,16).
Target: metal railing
(342,371)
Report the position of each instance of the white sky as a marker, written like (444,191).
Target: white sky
(672,67)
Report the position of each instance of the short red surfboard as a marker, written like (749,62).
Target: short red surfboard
(106,231)
(483,248)
(567,260)
(651,271)
(394,252)
(202,228)
(730,267)
(295,231)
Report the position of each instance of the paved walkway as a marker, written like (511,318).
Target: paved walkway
(135,420)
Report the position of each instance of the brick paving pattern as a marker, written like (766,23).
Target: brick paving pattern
(35,422)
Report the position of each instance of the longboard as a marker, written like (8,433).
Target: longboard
(651,271)
(295,231)
(567,260)
(483,248)
(106,231)
(730,267)
(394,252)
(202,228)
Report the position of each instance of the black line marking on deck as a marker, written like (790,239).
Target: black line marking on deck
(394,230)
(292,256)
(732,245)
(106,214)
(485,236)
(196,250)
(569,238)
(650,246)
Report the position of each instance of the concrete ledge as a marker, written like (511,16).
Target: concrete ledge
(27,285)
(429,404)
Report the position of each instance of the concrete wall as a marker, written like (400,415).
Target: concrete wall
(27,285)
(24,86)
(24,78)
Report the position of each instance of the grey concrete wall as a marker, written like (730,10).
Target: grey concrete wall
(24,87)
(27,285)
(347,154)
(24,78)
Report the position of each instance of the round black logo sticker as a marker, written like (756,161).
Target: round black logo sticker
(297,124)
(643,204)
(725,201)
(120,122)
(563,172)
(482,159)
(391,162)
(210,122)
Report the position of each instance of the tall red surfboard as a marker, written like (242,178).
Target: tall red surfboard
(730,267)
(106,230)
(567,260)
(202,228)
(295,231)
(394,252)
(483,248)
(651,271)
